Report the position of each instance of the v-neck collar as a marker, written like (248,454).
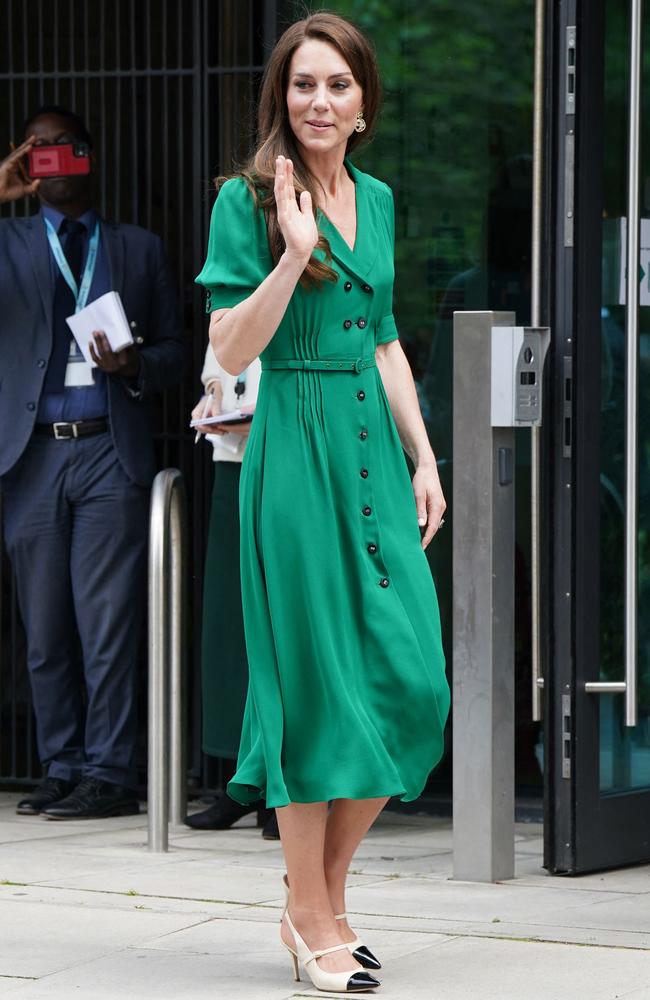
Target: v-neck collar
(352,174)
(360,259)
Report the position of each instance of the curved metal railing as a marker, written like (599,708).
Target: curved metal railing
(166,648)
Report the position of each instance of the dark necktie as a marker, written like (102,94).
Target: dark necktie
(64,305)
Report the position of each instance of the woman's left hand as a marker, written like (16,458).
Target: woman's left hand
(429,501)
(242,429)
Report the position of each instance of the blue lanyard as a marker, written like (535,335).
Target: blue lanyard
(81,294)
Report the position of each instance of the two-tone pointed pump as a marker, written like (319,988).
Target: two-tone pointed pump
(330,982)
(357,948)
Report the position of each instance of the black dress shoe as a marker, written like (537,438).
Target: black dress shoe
(223,814)
(271,831)
(50,790)
(94,799)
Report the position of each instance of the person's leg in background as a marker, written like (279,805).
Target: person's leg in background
(108,574)
(37,531)
(223,645)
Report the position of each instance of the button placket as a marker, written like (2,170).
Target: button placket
(367,506)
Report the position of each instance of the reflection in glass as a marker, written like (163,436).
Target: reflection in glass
(624,752)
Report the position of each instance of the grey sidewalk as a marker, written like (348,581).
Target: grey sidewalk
(86,911)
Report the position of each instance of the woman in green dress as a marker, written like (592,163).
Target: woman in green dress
(347,697)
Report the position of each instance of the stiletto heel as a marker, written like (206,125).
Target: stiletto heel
(332,982)
(294,957)
(363,955)
(357,948)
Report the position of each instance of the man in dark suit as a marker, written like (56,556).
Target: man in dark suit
(76,464)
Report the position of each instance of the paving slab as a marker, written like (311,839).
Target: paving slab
(635,879)
(467,968)
(454,900)
(627,913)
(68,935)
(8,984)
(209,879)
(202,920)
(40,861)
(91,900)
(152,975)
(227,936)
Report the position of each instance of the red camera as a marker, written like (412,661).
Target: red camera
(61,160)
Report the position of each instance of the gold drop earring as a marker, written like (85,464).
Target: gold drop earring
(360,124)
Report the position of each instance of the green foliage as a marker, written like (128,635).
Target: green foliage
(457,80)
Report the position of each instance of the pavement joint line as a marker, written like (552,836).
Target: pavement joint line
(474,933)
(448,938)
(544,940)
(559,882)
(272,906)
(178,930)
(132,894)
(449,932)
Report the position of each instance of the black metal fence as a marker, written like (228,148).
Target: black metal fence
(167,88)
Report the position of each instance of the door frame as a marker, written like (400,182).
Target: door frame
(584,829)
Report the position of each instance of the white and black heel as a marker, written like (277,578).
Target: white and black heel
(330,982)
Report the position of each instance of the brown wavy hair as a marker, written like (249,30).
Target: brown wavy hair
(276,137)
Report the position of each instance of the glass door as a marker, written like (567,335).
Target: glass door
(598,697)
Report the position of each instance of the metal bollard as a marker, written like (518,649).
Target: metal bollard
(166,791)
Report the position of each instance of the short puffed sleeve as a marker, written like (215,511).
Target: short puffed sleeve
(238,257)
(387,329)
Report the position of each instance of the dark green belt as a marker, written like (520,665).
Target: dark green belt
(324,365)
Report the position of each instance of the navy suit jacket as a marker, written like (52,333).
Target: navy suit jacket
(139,272)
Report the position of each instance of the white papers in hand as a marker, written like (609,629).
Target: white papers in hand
(234,417)
(106,314)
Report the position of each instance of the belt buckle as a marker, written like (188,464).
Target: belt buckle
(59,436)
(359,365)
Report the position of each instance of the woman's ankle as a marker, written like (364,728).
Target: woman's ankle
(336,891)
(306,912)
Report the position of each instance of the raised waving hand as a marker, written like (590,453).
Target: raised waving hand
(296,221)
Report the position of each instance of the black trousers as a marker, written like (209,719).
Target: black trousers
(76,531)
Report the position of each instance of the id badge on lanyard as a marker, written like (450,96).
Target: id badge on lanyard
(78,372)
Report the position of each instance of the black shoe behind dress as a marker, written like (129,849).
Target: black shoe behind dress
(50,790)
(94,798)
(271,831)
(223,813)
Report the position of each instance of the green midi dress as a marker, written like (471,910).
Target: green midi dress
(347,694)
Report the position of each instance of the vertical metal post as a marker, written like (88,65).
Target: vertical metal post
(631,355)
(483,612)
(157,785)
(166,657)
(177,648)
(536,320)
